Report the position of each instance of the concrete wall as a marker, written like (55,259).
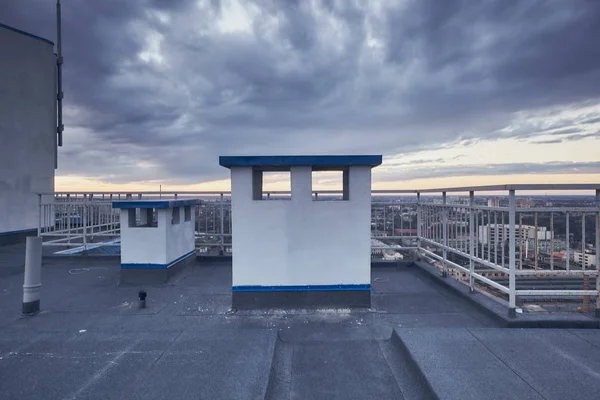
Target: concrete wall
(181,239)
(301,241)
(161,244)
(144,245)
(27,127)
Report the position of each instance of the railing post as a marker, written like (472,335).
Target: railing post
(536,241)
(586,278)
(597,312)
(495,237)
(394,220)
(583,242)
(568,234)
(384,220)
(419,228)
(551,242)
(69,208)
(222,222)
(444,235)
(522,240)
(512,303)
(84,219)
(471,240)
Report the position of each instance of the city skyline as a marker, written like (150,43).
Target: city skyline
(457,94)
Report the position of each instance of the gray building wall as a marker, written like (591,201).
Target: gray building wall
(27,128)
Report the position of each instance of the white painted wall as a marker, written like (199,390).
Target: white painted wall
(180,237)
(144,245)
(27,127)
(301,241)
(156,245)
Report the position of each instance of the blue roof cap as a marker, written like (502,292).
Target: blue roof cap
(154,203)
(284,162)
(10,28)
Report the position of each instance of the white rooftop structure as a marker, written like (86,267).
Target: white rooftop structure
(301,251)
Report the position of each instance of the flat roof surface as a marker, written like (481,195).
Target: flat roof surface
(10,28)
(317,162)
(418,341)
(154,203)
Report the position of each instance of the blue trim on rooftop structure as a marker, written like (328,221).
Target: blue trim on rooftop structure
(287,161)
(18,232)
(300,288)
(160,204)
(10,28)
(157,266)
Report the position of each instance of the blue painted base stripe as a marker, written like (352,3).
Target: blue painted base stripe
(299,288)
(157,266)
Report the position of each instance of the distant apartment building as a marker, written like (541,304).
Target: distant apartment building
(589,257)
(376,233)
(548,246)
(524,203)
(458,200)
(496,233)
(493,202)
(463,201)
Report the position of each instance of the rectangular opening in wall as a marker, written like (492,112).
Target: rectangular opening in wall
(175,216)
(330,185)
(142,218)
(131,217)
(151,217)
(273,184)
(187,210)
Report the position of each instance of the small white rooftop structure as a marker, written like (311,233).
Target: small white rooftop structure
(157,237)
(302,251)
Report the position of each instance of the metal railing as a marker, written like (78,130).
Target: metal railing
(514,249)
(78,224)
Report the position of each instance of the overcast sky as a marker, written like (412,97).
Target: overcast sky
(450,92)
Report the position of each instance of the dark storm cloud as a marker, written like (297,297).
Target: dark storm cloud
(569,138)
(339,78)
(498,56)
(591,121)
(556,168)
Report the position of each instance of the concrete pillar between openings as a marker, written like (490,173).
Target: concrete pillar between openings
(346,183)
(257,184)
(301,183)
(146,216)
(33,276)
